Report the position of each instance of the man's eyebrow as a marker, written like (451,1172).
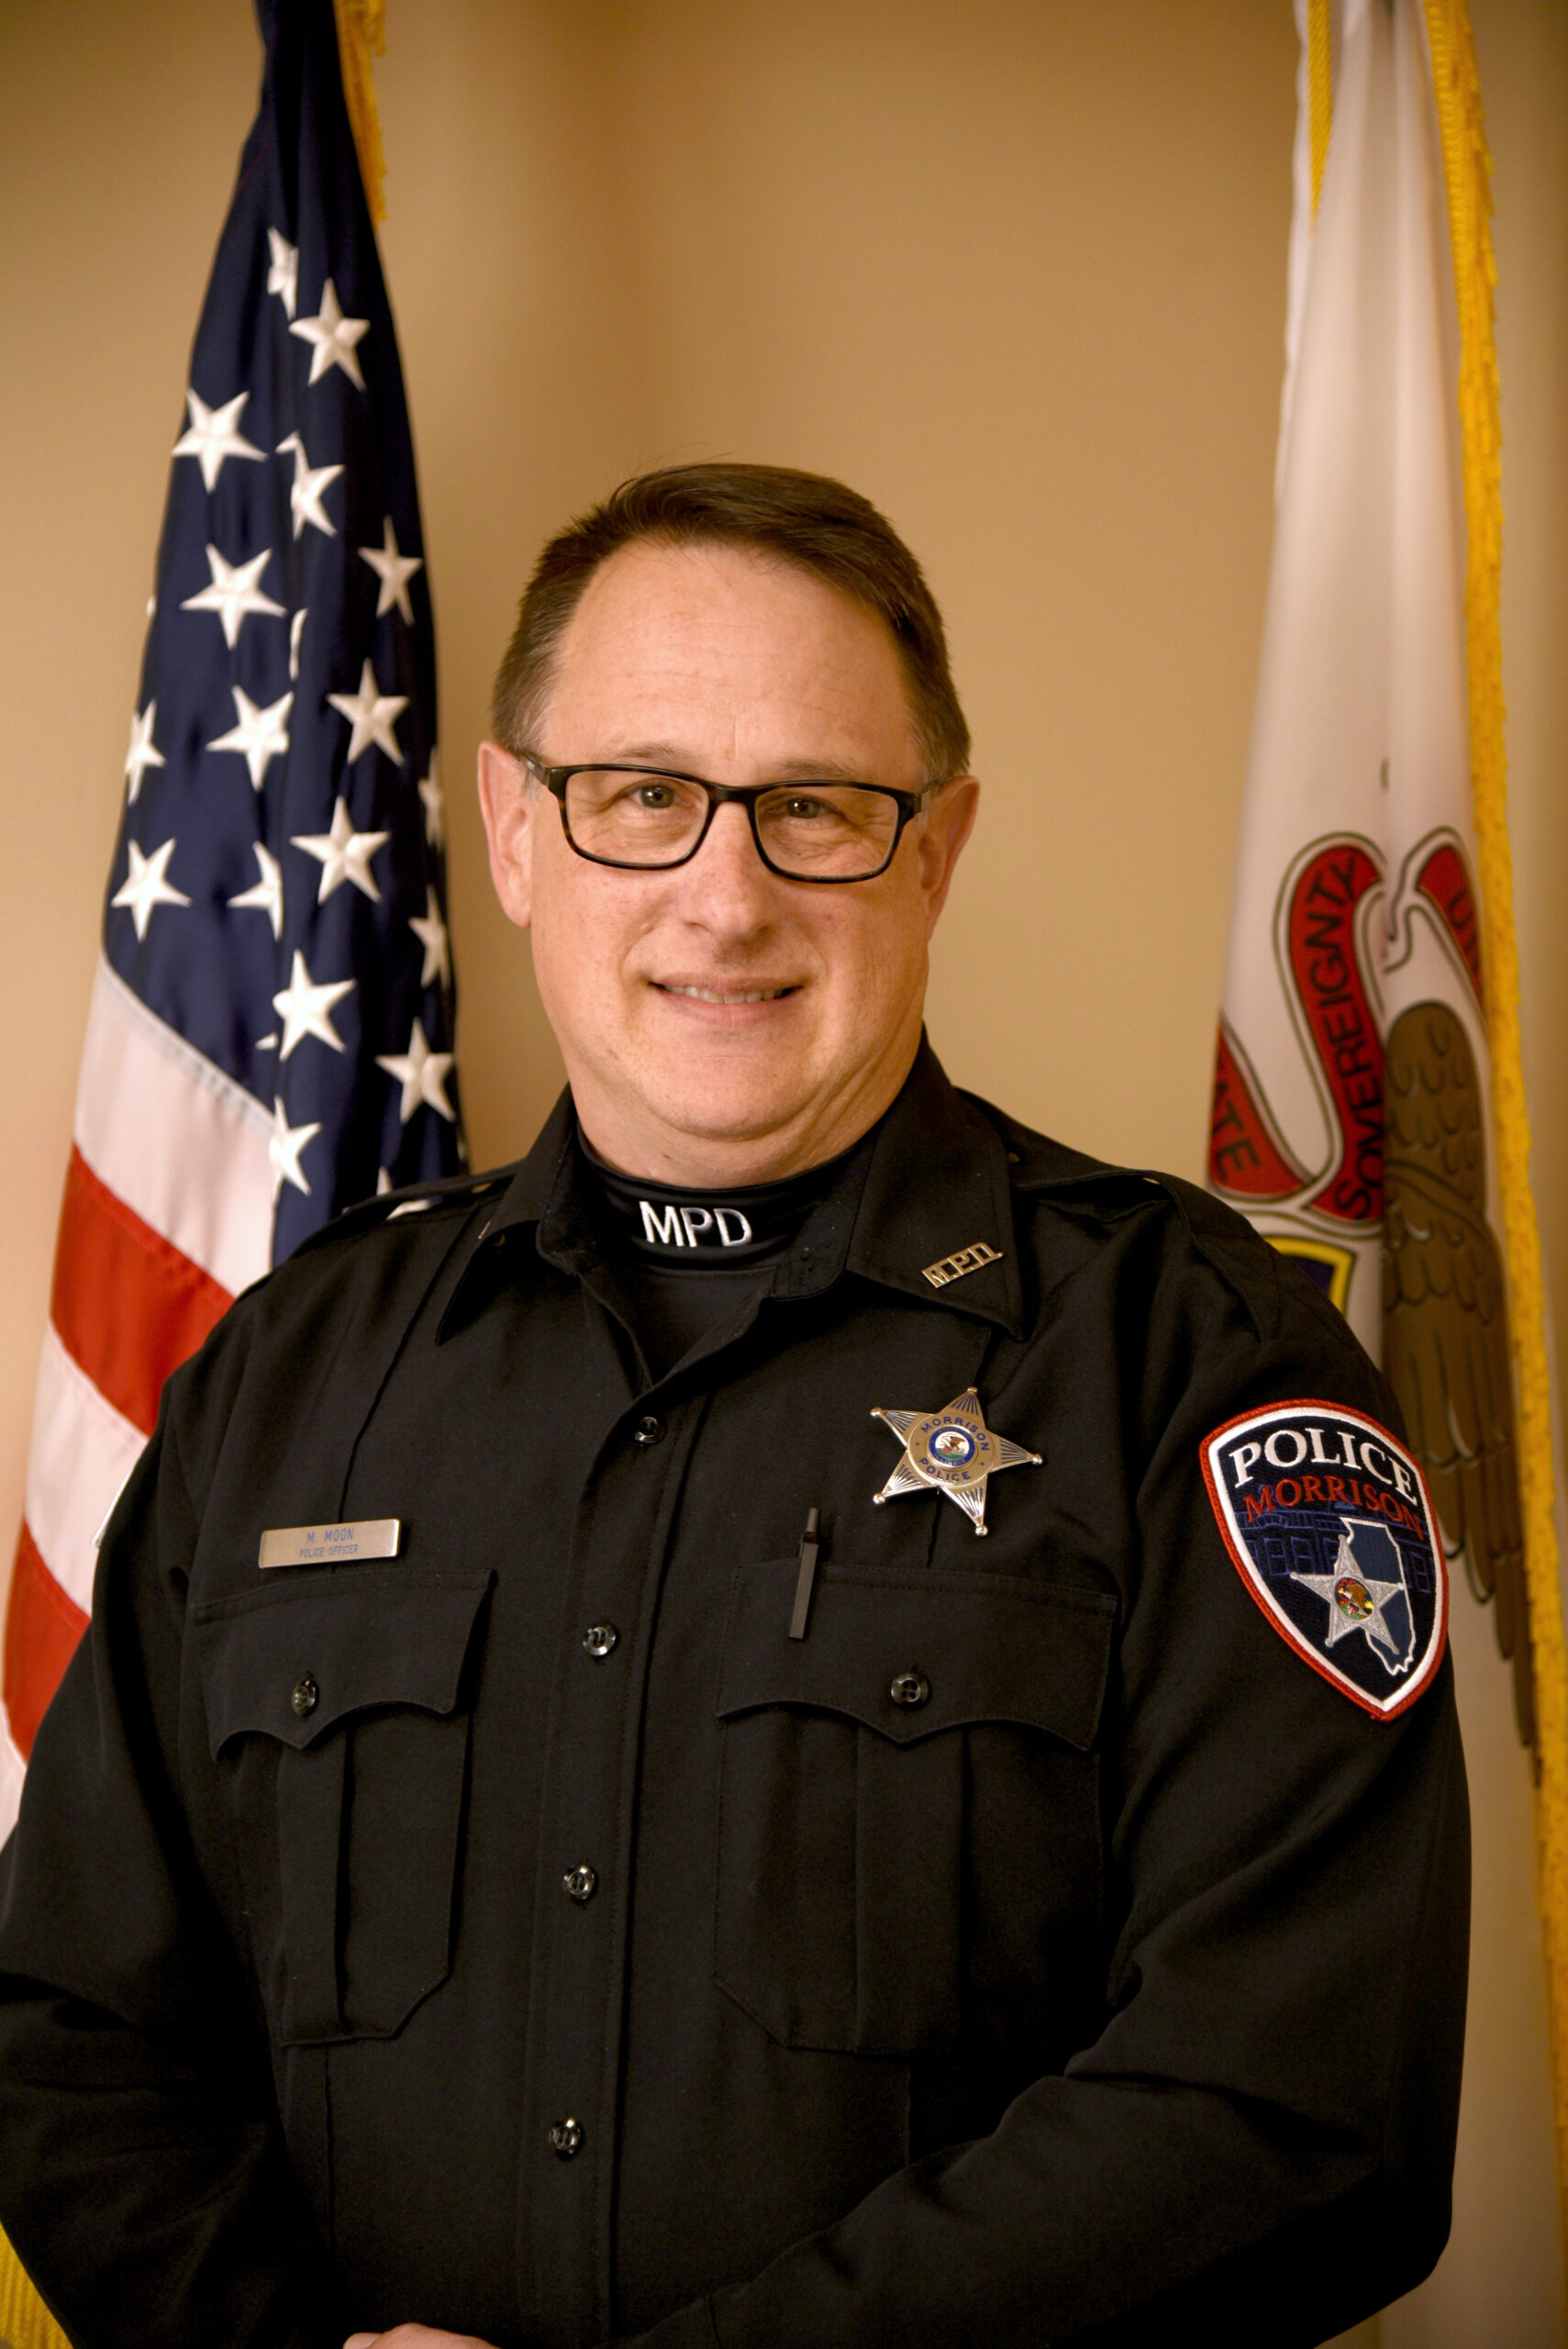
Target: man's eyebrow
(669,754)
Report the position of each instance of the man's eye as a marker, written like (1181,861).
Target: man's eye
(656,796)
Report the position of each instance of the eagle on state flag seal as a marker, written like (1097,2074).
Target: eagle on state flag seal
(1327,1518)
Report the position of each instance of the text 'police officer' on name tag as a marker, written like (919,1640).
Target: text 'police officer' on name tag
(1328,1519)
(329,1545)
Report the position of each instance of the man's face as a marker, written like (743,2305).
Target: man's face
(720,1024)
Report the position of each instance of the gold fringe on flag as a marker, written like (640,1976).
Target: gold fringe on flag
(1467,168)
(25,2322)
(361,30)
(1319,89)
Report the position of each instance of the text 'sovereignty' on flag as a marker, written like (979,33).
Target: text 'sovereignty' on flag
(270,1031)
(1352,1112)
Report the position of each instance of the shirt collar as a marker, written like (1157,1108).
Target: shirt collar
(924,1207)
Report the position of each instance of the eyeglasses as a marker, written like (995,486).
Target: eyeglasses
(645,820)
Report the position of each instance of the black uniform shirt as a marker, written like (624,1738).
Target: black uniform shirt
(526,1935)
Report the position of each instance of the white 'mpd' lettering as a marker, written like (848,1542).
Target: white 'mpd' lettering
(725,1217)
(1243,1462)
(1275,1457)
(697,1220)
(662,1224)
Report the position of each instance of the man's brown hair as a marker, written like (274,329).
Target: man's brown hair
(804,518)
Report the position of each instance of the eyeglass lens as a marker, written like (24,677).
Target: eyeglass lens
(829,831)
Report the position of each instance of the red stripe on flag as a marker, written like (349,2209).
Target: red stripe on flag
(42,1627)
(128,1305)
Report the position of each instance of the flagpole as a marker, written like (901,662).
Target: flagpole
(1467,170)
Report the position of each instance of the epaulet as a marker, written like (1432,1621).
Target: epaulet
(1254,1272)
(1035,1162)
(451,1191)
(1085,1187)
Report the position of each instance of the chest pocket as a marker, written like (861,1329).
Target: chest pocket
(908,1838)
(335,1704)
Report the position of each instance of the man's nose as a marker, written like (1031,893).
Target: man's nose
(726,884)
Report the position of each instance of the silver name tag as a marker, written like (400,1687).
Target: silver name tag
(325,1545)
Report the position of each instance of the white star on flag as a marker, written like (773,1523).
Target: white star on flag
(259,735)
(233,594)
(145,885)
(141,755)
(306,1009)
(371,713)
(267,894)
(394,571)
(284,1147)
(345,855)
(213,433)
(296,629)
(305,492)
(282,270)
(431,934)
(435,808)
(333,337)
(421,1073)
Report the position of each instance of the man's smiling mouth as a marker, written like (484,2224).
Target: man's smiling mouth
(715,994)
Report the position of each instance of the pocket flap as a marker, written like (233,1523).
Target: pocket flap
(957,1648)
(290,1662)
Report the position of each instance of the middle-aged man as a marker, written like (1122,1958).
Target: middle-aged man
(680,1883)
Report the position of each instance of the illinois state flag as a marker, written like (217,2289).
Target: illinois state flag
(1352,1116)
(270,1035)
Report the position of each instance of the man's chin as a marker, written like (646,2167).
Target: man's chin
(726,1117)
(719,1127)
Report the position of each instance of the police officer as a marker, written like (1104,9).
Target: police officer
(807,1720)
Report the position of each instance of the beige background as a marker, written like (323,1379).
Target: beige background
(1014,267)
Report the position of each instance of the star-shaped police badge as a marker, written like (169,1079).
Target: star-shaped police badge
(951,1452)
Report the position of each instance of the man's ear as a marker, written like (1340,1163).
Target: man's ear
(949,819)
(509,803)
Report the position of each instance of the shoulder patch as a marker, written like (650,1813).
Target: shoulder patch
(1330,1524)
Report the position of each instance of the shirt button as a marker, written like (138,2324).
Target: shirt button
(909,1689)
(306,1695)
(599,1639)
(566,2138)
(649,1431)
(580,1882)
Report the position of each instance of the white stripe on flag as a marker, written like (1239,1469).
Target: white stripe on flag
(174,1138)
(13,1769)
(82,1452)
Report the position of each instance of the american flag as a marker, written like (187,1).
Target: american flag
(270,1031)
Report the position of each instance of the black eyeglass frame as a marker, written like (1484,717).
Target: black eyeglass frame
(555,780)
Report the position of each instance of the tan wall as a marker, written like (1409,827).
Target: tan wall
(1014,267)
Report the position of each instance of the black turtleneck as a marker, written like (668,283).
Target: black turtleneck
(688,1259)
